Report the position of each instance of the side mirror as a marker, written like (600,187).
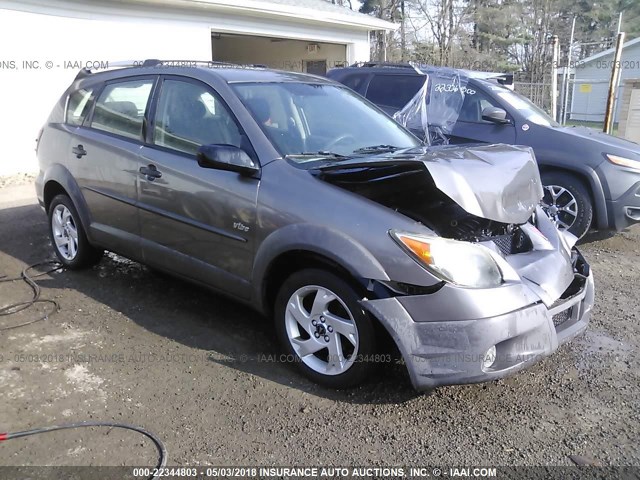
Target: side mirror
(226,157)
(495,115)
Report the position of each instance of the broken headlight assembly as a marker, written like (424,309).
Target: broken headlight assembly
(460,263)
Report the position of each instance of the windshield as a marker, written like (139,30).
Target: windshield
(527,108)
(302,118)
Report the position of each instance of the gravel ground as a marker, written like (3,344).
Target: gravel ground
(14,180)
(133,346)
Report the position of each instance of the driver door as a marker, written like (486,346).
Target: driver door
(197,222)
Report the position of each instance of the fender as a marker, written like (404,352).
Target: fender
(330,243)
(599,202)
(58,173)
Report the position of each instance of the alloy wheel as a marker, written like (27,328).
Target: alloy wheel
(560,205)
(65,232)
(321,330)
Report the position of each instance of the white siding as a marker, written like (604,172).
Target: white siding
(59,31)
(591,106)
(27,96)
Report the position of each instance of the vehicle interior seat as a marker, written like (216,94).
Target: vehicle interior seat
(287,138)
(119,116)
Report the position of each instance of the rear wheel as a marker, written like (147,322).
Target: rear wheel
(68,235)
(323,327)
(567,202)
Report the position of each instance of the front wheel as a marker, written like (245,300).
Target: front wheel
(68,235)
(567,202)
(324,329)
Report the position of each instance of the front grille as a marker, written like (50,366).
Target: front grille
(561,317)
(516,242)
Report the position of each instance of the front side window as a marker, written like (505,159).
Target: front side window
(121,106)
(473,105)
(307,117)
(190,115)
(78,106)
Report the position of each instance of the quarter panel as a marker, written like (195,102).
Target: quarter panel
(60,174)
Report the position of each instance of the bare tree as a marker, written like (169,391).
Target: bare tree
(445,19)
(343,3)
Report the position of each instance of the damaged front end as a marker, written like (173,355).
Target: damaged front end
(462,193)
(487,197)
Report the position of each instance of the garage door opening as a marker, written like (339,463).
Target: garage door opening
(281,53)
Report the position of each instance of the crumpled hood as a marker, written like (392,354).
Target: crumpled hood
(496,182)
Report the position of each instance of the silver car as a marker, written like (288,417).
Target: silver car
(294,195)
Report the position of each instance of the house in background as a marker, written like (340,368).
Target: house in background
(591,87)
(46,42)
(629,126)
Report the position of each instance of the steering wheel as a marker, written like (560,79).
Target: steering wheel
(339,139)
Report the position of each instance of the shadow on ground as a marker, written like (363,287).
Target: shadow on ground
(229,333)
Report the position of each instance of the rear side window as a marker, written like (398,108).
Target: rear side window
(121,106)
(78,106)
(394,90)
(355,82)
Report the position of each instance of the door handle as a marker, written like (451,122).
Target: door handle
(79,151)
(151,172)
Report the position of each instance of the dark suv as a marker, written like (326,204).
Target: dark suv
(294,195)
(592,180)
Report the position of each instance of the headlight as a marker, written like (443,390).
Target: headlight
(623,162)
(462,263)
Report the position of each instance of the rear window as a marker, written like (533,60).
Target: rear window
(121,106)
(394,90)
(78,106)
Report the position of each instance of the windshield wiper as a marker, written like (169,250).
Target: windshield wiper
(377,149)
(321,153)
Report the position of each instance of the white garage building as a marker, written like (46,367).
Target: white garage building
(45,43)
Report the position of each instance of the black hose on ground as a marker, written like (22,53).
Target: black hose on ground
(162,451)
(29,280)
(20,306)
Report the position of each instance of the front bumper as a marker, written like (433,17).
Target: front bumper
(448,352)
(625,211)
(39,184)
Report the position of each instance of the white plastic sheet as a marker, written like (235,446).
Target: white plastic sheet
(432,113)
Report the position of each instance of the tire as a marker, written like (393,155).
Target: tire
(570,194)
(68,235)
(352,343)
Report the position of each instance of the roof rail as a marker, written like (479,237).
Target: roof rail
(85,72)
(381,64)
(153,62)
(388,64)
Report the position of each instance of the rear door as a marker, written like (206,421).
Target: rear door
(391,92)
(104,150)
(195,221)
(471,128)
